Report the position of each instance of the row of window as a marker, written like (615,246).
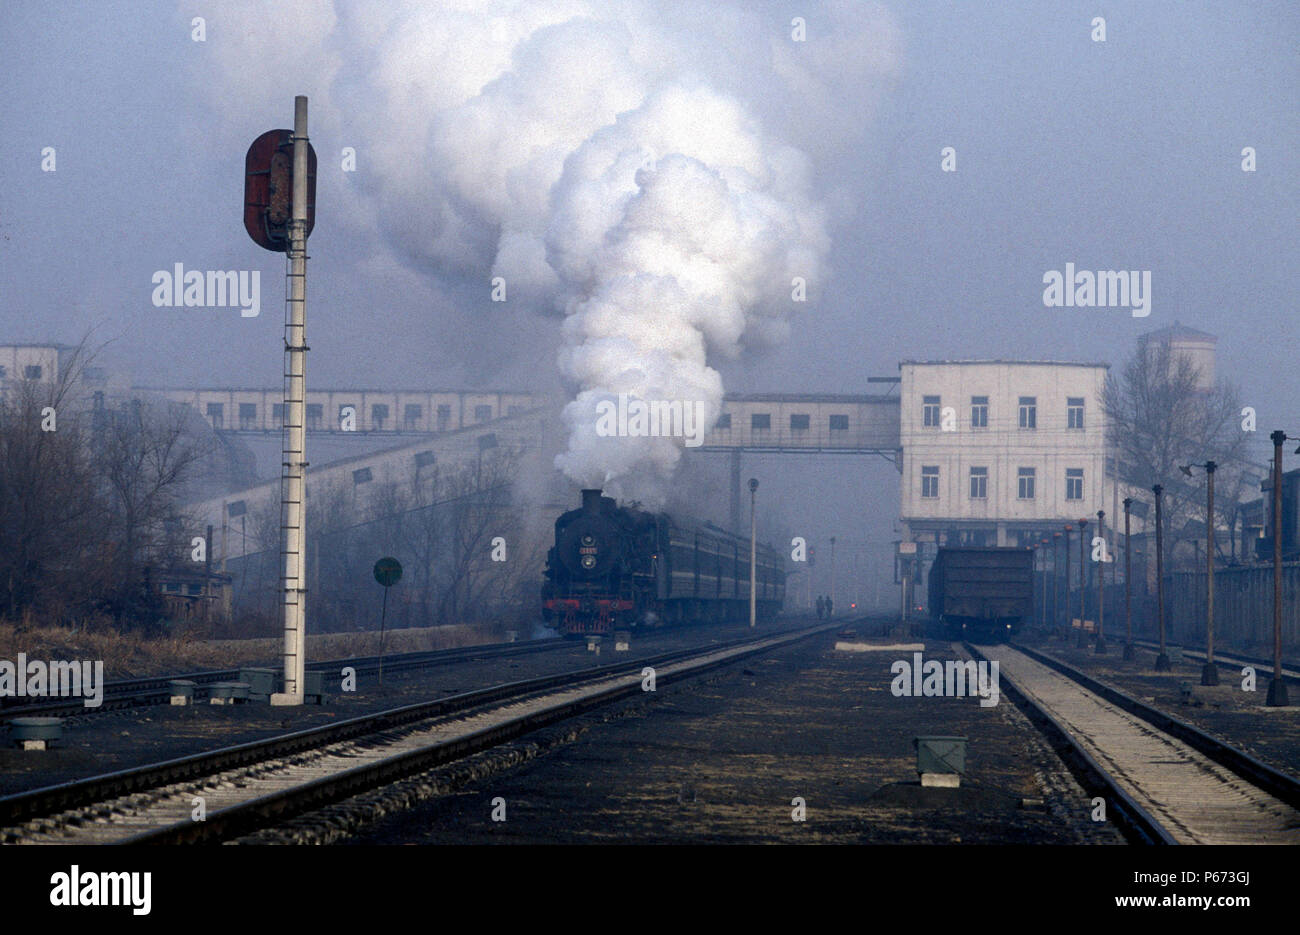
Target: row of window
(379,415)
(799,422)
(30,372)
(932,412)
(979,483)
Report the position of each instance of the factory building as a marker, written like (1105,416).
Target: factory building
(1000,452)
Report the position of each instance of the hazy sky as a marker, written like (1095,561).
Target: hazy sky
(1123,154)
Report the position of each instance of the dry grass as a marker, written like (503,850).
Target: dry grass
(129,655)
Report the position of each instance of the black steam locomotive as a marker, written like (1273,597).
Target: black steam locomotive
(613,568)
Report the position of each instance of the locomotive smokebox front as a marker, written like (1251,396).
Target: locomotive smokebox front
(588,546)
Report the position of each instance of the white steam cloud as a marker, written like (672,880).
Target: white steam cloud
(645,169)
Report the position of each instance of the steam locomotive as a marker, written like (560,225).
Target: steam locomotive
(614,568)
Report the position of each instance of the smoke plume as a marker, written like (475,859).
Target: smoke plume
(648,171)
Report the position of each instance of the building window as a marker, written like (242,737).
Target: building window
(930,483)
(247,415)
(1074,412)
(315,415)
(839,423)
(362,476)
(277,414)
(979,412)
(3,373)
(1074,483)
(930,411)
(378,415)
(1029,412)
(1025,483)
(798,423)
(216,415)
(482,413)
(31,372)
(760,421)
(724,421)
(979,483)
(444,417)
(412,415)
(514,410)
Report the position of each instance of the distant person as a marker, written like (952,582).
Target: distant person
(830,605)
(820,607)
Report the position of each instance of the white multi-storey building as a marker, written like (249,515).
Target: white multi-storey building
(1000,452)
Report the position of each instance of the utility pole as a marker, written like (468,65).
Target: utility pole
(1210,672)
(1277,694)
(1162,660)
(1065,586)
(1128,584)
(1100,648)
(832,591)
(1083,583)
(753,555)
(1056,570)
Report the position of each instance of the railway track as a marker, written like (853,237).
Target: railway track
(257,785)
(1231,660)
(154,690)
(1163,781)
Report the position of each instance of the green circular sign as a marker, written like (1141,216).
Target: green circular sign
(388,571)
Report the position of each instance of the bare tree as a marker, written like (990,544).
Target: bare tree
(1163,418)
(143,454)
(49,515)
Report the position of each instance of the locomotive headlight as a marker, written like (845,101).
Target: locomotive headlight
(588,539)
(589,561)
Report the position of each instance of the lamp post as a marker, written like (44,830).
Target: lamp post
(753,557)
(1055,571)
(1209,671)
(1065,585)
(1100,648)
(832,592)
(1044,542)
(1162,660)
(1083,584)
(1128,585)
(1277,695)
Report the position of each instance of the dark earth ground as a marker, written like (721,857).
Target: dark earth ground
(97,743)
(721,758)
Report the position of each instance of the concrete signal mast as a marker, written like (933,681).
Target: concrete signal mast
(279,213)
